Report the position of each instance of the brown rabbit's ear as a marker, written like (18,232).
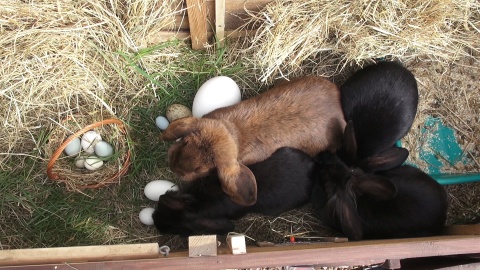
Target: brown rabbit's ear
(239,183)
(350,143)
(374,186)
(180,128)
(386,160)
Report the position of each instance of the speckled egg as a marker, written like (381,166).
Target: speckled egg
(176,111)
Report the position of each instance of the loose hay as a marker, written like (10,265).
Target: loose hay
(293,32)
(60,58)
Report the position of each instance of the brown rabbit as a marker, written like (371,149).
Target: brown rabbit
(304,113)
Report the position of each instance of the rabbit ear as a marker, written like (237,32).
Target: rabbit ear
(388,159)
(350,144)
(375,186)
(239,183)
(180,128)
(350,222)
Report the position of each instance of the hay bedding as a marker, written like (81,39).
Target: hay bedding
(58,59)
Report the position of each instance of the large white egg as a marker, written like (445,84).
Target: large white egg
(215,93)
(92,163)
(103,149)
(155,188)
(73,147)
(89,139)
(146,216)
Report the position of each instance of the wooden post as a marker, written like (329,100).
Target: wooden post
(220,22)
(202,245)
(197,19)
(236,243)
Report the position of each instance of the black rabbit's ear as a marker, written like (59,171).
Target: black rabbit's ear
(388,159)
(350,144)
(374,186)
(350,222)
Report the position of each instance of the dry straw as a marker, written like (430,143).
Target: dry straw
(342,32)
(59,58)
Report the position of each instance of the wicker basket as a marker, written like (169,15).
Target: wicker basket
(61,167)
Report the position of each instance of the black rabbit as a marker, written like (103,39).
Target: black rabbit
(381,100)
(284,180)
(399,202)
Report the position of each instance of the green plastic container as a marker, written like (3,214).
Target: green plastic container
(440,149)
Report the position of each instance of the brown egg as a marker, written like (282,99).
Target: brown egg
(176,111)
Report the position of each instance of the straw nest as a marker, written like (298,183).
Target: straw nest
(338,33)
(62,167)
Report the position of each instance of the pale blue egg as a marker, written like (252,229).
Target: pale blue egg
(73,148)
(161,122)
(103,149)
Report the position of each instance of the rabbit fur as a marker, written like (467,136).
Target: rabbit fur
(402,201)
(284,182)
(381,100)
(303,113)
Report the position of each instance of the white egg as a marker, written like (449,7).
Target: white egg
(73,147)
(215,93)
(103,149)
(89,139)
(80,161)
(155,188)
(161,122)
(92,163)
(146,216)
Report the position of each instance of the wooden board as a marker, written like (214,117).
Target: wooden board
(331,254)
(197,19)
(235,18)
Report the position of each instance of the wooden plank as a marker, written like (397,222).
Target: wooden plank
(462,229)
(197,19)
(331,254)
(235,16)
(75,254)
(220,22)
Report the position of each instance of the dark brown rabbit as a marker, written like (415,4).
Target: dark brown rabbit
(381,100)
(304,113)
(399,202)
(284,182)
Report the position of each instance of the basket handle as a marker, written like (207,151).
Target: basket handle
(60,149)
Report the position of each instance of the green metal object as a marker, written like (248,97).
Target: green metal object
(440,149)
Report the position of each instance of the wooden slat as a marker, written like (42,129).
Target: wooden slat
(462,229)
(76,254)
(235,14)
(197,19)
(332,254)
(220,21)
